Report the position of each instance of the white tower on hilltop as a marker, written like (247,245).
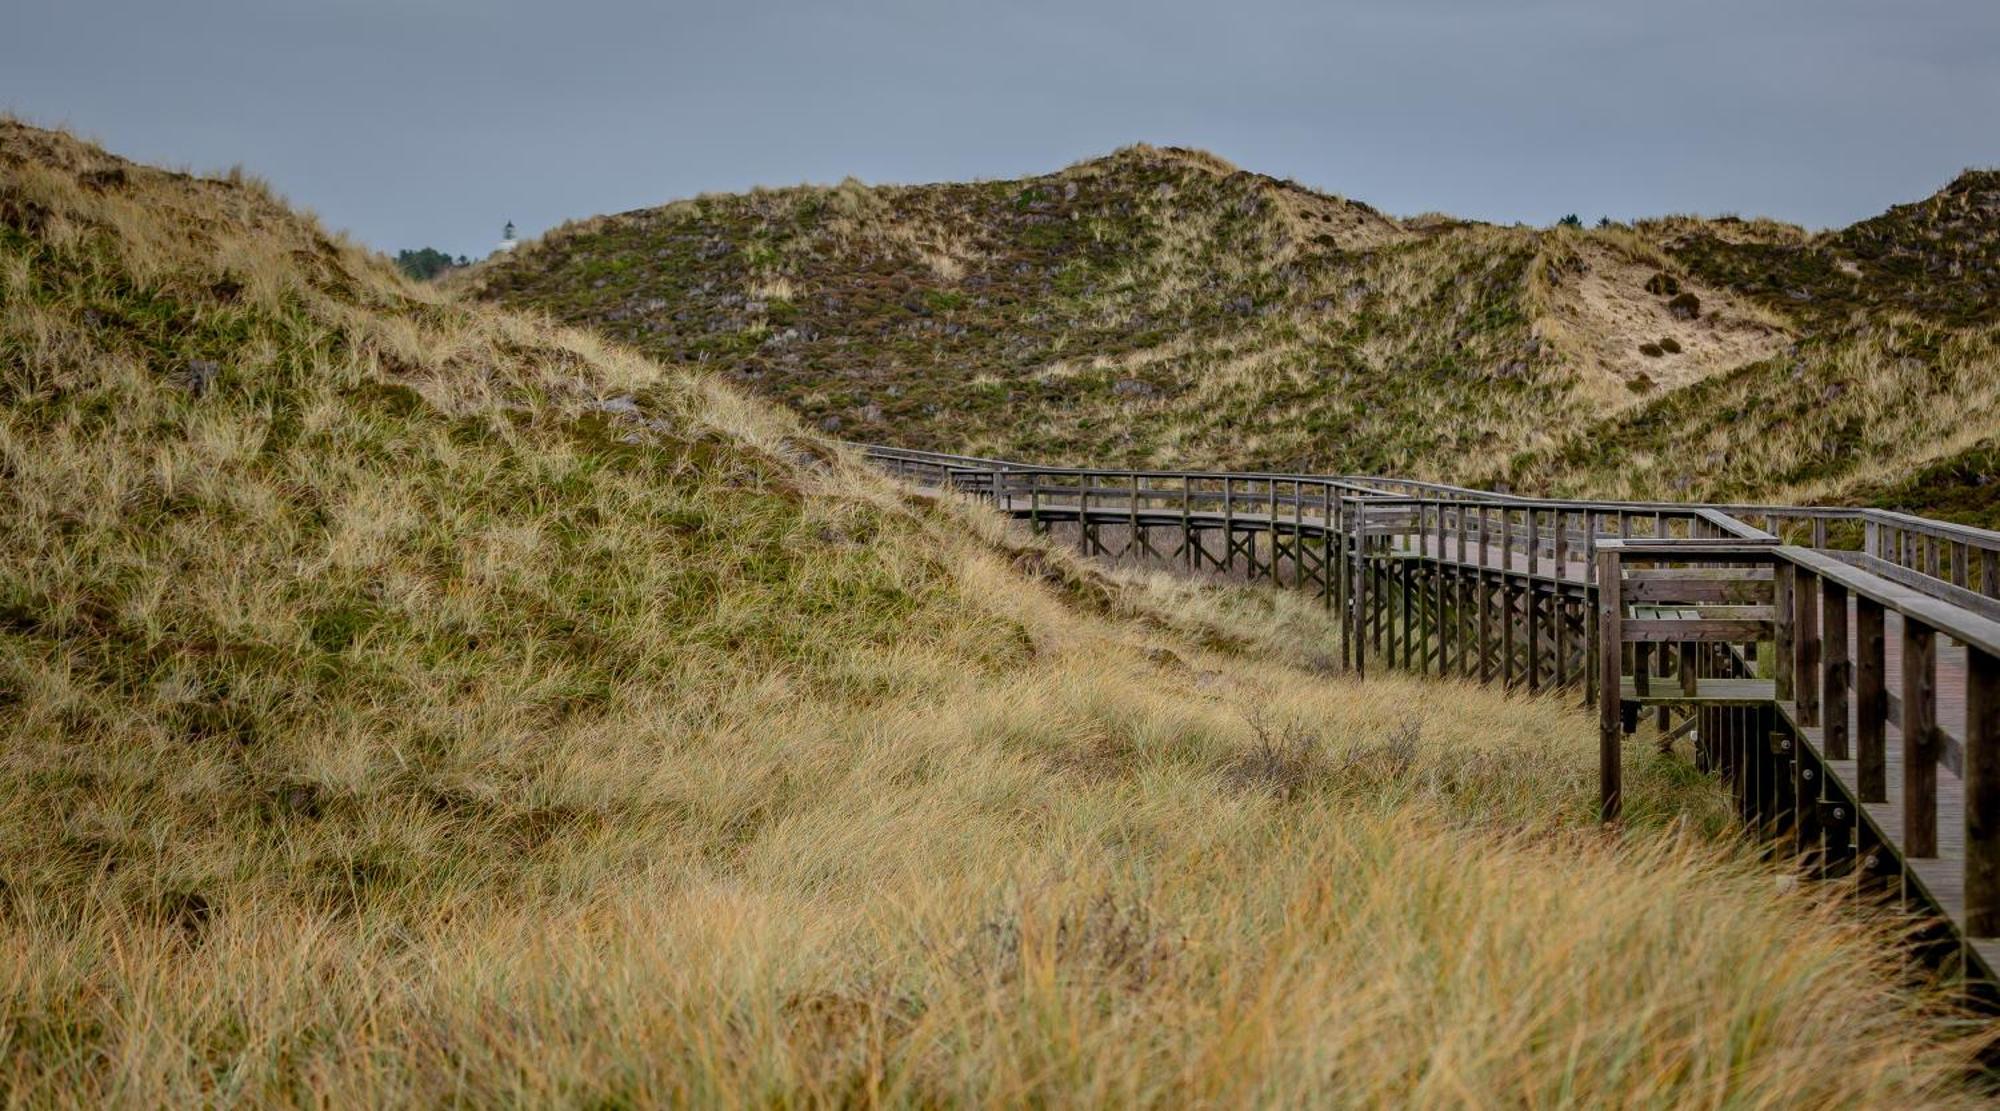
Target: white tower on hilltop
(507,240)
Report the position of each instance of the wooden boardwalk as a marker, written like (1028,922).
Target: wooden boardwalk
(1794,646)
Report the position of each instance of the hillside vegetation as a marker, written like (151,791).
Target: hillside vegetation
(1161,307)
(409,702)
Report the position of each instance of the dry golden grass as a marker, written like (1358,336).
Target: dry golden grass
(411,703)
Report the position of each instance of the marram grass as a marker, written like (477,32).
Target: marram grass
(411,703)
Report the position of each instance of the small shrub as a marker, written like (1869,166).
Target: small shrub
(1282,760)
(1670,345)
(1651,350)
(1663,284)
(1684,306)
(1570,221)
(1639,383)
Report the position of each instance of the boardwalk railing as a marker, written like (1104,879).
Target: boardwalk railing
(1838,667)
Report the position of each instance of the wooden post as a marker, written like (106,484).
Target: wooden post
(1437,592)
(1920,739)
(1460,607)
(1532,604)
(1485,598)
(1132,542)
(1835,669)
(1559,611)
(1561,554)
(1405,576)
(1298,534)
(1329,532)
(1610,728)
(1982,794)
(1806,646)
(1187,523)
(1271,488)
(1228,525)
(1871,701)
(1084,537)
(1358,598)
(1379,588)
(1785,615)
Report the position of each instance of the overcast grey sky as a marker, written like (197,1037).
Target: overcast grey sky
(413,122)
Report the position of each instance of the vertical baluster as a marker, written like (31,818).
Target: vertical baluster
(1558,605)
(1610,723)
(1507,593)
(1835,669)
(1406,571)
(1533,603)
(1187,524)
(1784,615)
(1920,739)
(1134,549)
(1084,534)
(1982,794)
(1871,700)
(1328,533)
(1806,646)
(1460,599)
(1358,598)
(1228,525)
(1485,595)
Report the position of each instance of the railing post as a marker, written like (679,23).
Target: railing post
(1532,606)
(1327,535)
(1836,670)
(1132,543)
(1485,602)
(1806,646)
(1358,592)
(1871,701)
(1188,549)
(1982,794)
(1300,570)
(1610,727)
(1228,524)
(1083,533)
(1785,617)
(1920,739)
(1271,490)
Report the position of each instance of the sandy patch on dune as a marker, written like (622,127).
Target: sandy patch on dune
(1612,322)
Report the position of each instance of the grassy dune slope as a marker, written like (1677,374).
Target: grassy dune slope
(412,702)
(1161,307)
(1895,380)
